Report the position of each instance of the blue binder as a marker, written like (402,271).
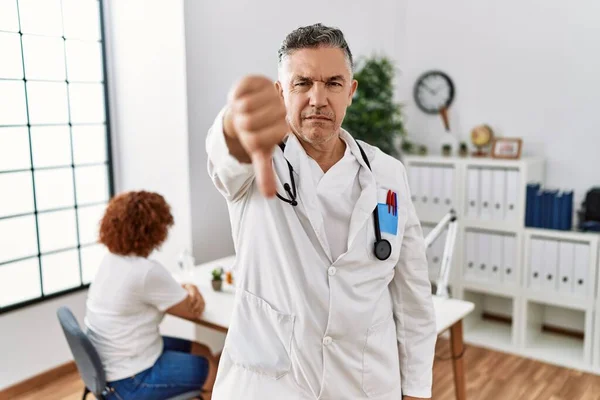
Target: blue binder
(567,211)
(537,210)
(547,207)
(532,189)
(557,201)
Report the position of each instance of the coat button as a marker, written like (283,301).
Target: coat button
(332,271)
(327,340)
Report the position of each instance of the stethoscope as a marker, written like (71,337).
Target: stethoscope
(382,247)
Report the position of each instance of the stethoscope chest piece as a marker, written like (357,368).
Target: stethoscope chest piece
(382,249)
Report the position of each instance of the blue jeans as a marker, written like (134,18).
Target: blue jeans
(175,372)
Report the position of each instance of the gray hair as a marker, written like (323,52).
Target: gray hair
(314,36)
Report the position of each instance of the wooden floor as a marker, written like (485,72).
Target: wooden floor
(490,376)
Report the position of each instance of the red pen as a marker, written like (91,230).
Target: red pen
(388,200)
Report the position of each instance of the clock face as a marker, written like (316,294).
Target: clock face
(433,91)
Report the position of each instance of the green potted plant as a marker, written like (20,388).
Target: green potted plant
(447,150)
(217,279)
(422,150)
(374,116)
(407,147)
(463,150)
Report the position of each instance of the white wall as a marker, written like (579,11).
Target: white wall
(31,340)
(228,39)
(527,67)
(149,122)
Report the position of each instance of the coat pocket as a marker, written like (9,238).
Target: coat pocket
(259,338)
(381,367)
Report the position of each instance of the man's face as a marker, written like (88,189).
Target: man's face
(317,87)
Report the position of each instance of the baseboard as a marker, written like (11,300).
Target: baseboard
(38,380)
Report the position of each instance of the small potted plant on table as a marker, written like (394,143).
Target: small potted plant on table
(217,279)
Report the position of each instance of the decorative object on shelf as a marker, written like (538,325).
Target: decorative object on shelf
(507,148)
(589,214)
(481,137)
(547,208)
(374,116)
(217,279)
(422,150)
(229,277)
(463,150)
(407,146)
(447,150)
(434,93)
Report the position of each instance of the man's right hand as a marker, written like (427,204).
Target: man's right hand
(254,124)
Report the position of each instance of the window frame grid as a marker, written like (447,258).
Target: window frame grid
(76,206)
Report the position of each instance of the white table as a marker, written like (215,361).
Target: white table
(449,313)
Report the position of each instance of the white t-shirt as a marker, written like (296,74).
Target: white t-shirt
(125,305)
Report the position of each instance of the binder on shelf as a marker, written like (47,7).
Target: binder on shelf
(483,257)
(512,194)
(535,263)
(499,194)
(547,200)
(566,211)
(485,211)
(556,211)
(582,266)
(532,189)
(550,265)
(426,187)
(437,188)
(537,210)
(497,244)
(509,259)
(448,188)
(566,260)
(473,190)
(471,243)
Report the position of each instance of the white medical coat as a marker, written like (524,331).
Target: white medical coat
(306,326)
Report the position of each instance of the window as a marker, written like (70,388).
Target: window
(55,165)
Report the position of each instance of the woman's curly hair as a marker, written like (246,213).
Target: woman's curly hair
(135,223)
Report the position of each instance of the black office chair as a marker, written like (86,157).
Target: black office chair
(88,361)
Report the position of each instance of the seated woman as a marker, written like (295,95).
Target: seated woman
(129,298)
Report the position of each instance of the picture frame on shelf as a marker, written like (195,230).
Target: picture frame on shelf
(507,148)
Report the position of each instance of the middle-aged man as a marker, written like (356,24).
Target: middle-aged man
(333,298)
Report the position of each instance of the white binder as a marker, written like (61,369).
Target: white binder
(566,260)
(582,265)
(512,194)
(425,188)
(509,260)
(496,255)
(448,188)
(483,257)
(471,244)
(437,189)
(535,263)
(499,193)
(413,182)
(550,265)
(473,175)
(485,211)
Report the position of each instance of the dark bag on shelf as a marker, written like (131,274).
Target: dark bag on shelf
(591,205)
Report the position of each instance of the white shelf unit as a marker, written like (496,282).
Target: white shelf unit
(474,182)
(483,330)
(559,276)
